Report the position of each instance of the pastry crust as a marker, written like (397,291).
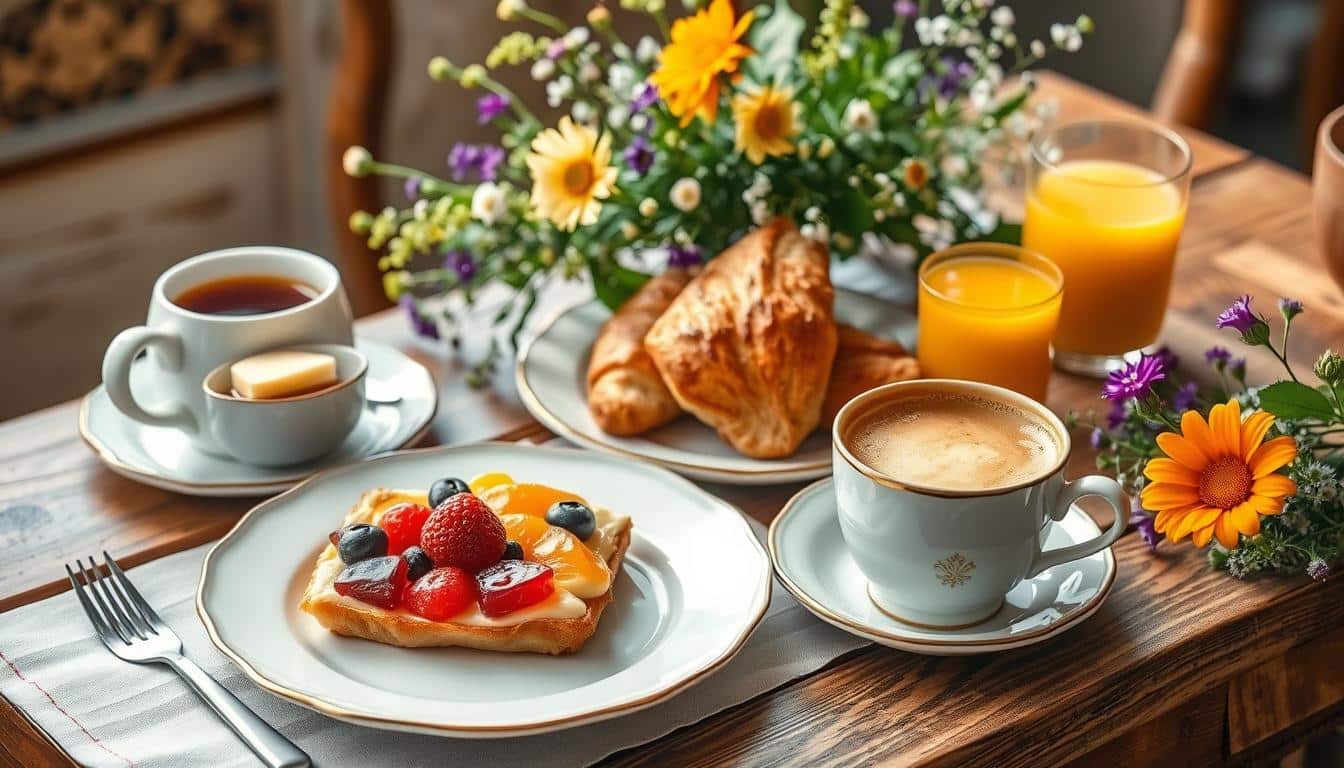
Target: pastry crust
(863,361)
(747,346)
(626,395)
(348,617)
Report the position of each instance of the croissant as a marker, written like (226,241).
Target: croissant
(747,346)
(625,394)
(863,361)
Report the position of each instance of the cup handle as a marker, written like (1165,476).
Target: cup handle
(117,376)
(1092,485)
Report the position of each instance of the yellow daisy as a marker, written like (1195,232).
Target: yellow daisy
(703,47)
(766,122)
(1219,476)
(571,171)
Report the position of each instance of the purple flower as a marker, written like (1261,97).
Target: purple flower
(645,96)
(490,106)
(1237,368)
(1144,524)
(1318,569)
(639,155)
(491,158)
(1119,412)
(906,8)
(423,325)
(1238,316)
(483,159)
(1135,380)
(1170,360)
(412,187)
(1185,397)
(954,74)
(1095,438)
(1217,356)
(556,49)
(1290,308)
(678,256)
(461,263)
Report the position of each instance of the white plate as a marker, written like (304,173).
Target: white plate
(552,371)
(812,562)
(694,584)
(165,458)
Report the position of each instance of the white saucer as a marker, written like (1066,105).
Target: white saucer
(812,562)
(552,371)
(164,457)
(694,584)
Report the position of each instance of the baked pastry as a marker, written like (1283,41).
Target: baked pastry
(863,361)
(747,346)
(580,575)
(626,396)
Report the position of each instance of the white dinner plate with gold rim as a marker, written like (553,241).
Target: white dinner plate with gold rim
(810,558)
(552,371)
(694,584)
(164,457)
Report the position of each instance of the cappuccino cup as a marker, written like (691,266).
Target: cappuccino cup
(216,308)
(942,489)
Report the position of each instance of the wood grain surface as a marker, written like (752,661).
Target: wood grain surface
(1144,681)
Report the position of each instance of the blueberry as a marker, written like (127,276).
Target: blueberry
(573,517)
(361,541)
(512,551)
(417,563)
(444,489)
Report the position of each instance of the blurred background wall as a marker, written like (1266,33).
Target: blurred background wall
(135,133)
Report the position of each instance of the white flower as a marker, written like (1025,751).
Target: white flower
(818,232)
(647,49)
(648,207)
(760,213)
(685,194)
(357,161)
(543,69)
(618,115)
(558,90)
(1066,37)
(980,94)
(638,123)
(575,37)
(993,51)
(1002,16)
(582,112)
(859,116)
(622,79)
(935,233)
(964,199)
(620,50)
(1028,79)
(488,203)
(590,72)
(1037,48)
(966,36)
(1074,42)
(953,166)
(420,210)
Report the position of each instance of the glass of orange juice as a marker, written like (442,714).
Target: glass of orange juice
(1106,202)
(987,312)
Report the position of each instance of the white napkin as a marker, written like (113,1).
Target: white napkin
(105,712)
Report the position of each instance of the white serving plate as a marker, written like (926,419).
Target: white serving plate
(552,369)
(694,584)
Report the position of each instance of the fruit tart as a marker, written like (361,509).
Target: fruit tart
(494,565)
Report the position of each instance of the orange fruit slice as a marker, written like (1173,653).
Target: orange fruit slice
(523,498)
(488,480)
(576,567)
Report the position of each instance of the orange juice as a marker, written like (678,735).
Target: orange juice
(987,313)
(1112,227)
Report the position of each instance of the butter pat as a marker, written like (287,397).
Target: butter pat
(272,375)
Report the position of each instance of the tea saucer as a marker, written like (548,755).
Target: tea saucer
(552,369)
(812,562)
(165,458)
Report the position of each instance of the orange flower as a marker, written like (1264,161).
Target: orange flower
(703,47)
(1219,477)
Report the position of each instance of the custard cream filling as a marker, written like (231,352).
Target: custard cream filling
(562,604)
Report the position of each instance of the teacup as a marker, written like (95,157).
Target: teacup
(287,430)
(183,345)
(944,554)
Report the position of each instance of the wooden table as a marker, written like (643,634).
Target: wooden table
(1181,665)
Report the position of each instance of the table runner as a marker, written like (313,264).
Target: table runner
(105,712)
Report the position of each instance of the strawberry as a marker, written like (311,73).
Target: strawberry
(402,524)
(463,532)
(442,593)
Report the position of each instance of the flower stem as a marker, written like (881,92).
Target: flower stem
(544,19)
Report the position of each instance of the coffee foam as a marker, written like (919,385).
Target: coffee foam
(953,441)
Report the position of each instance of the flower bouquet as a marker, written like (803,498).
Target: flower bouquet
(676,147)
(1252,470)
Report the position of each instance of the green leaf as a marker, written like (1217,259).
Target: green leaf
(1293,400)
(1006,232)
(776,42)
(616,284)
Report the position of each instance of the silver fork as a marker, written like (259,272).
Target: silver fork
(133,632)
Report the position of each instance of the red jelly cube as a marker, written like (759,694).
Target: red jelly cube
(402,524)
(377,581)
(442,593)
(512,584)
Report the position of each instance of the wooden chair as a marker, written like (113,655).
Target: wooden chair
(1200,62)
(355,113)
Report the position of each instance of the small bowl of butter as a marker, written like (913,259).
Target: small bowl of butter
(286,406)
